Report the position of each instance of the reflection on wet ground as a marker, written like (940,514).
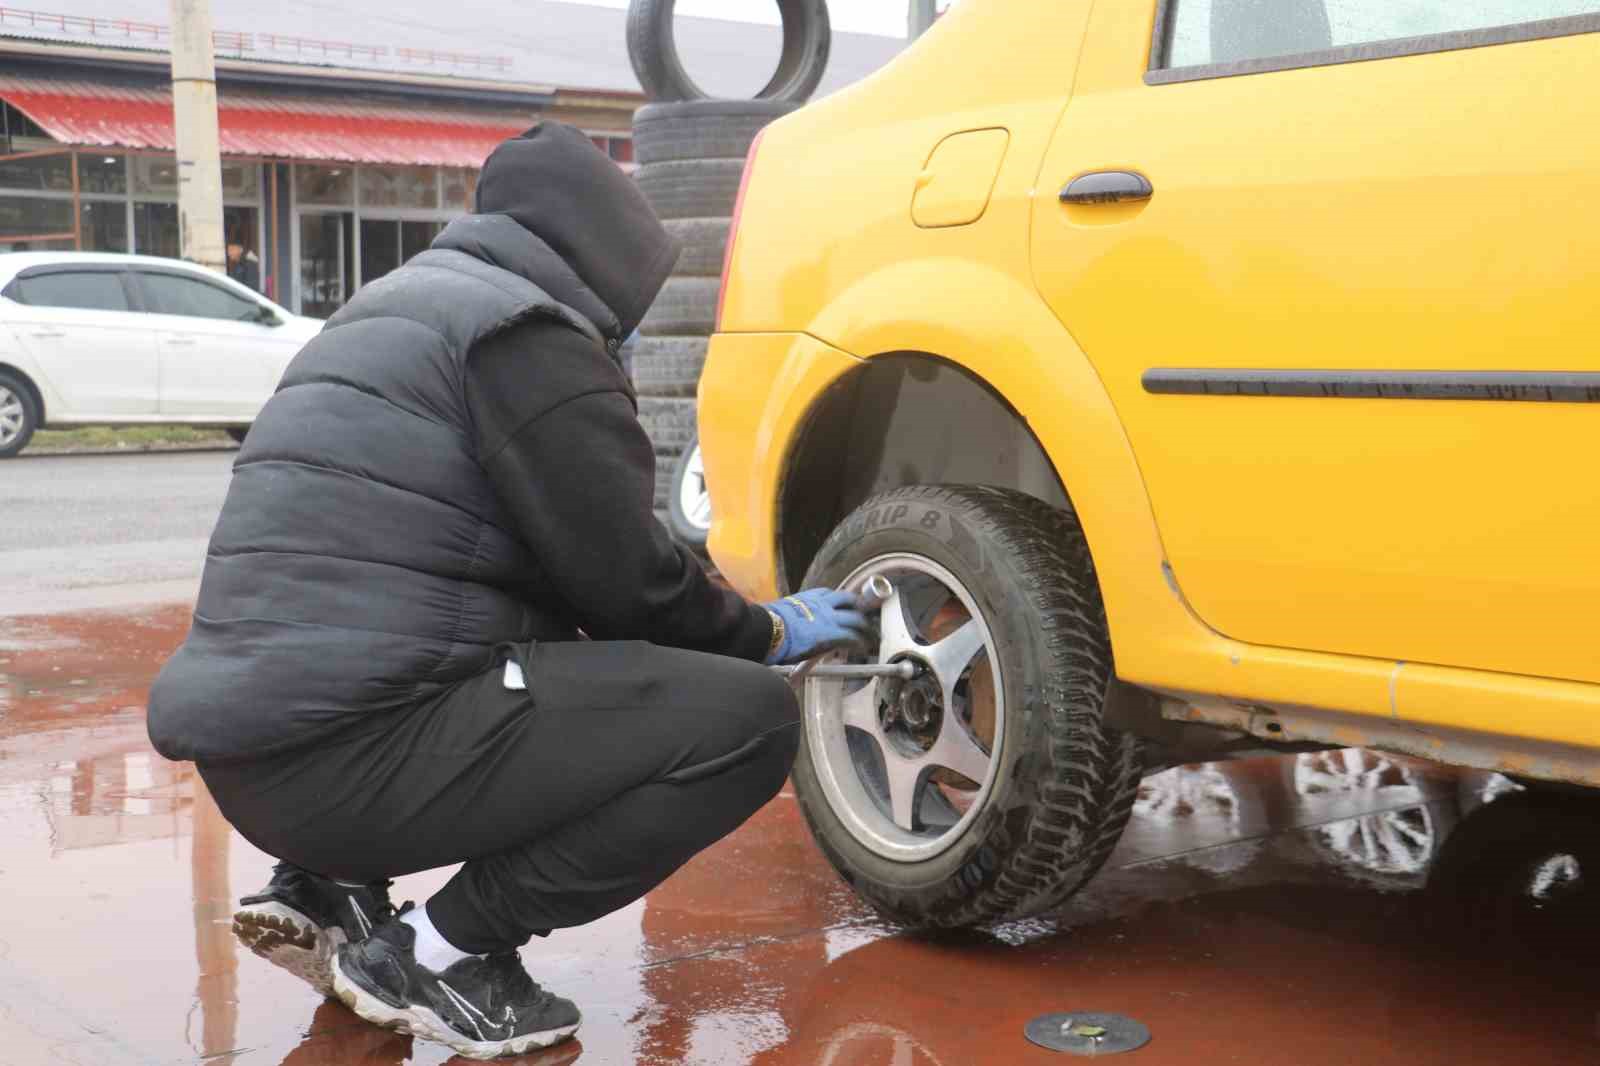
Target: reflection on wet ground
(1316,909)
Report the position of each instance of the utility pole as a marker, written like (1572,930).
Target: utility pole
(194,114)
(920,18)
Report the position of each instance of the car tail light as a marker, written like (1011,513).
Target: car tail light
(733,227)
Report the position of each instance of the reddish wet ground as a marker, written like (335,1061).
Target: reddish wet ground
(1331,909)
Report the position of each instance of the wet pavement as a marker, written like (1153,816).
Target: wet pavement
(1338,908)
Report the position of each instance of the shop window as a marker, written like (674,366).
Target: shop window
(38,173)
(241,181)
(459,186)
(28,216)
(386,243)
(325,262)
(104,226)
(104,175)
(380,248)
(155,230)
(399,187)
(155,175)
(324,185)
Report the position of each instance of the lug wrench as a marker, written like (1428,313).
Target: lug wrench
(874,594)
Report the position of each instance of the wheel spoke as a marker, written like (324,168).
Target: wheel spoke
(894,631)
(701,515)
(860,708)
(906,781)
(952,656)
(956,750)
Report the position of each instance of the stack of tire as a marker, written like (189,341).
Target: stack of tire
(691,153)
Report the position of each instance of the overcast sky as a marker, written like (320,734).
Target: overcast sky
(887,17)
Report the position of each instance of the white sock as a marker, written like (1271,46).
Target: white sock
(432,949)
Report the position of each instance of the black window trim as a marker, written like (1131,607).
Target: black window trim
(1156,74)
(154,306)
(130,291)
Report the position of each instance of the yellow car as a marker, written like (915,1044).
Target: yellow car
(1203,374)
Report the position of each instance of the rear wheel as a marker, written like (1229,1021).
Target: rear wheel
(19,415)
(689,506)
(987,787)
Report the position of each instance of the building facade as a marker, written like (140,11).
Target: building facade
(332,176)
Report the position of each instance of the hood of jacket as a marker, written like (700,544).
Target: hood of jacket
(588,236)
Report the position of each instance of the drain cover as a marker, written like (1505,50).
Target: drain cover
(1087,1033)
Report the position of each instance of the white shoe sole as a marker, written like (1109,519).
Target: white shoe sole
(288,939)
(420,1021)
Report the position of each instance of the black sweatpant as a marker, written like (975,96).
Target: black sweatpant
(566,802)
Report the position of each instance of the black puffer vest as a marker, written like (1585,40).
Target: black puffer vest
(362,560)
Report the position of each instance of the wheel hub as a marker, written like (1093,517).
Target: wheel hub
(912,717)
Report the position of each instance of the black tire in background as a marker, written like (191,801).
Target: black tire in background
(693,188)
(670,424)
(1521,874)
(653,50)
(702,129)
(21,414)
(689,524)
(238,433)
(668,366)
(685,307)
(1065,784)
(704,242)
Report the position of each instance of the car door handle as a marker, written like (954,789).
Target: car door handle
(1108,187)
(48,333)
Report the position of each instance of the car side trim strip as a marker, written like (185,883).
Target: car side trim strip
(1503,386)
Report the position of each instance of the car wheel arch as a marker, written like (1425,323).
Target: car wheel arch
(1057,411)
(877,429)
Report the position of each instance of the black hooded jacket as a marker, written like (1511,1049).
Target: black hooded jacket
(454,464)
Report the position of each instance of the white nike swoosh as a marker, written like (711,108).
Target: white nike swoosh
(466,1008)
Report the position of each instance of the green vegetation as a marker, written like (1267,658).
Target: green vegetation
(129,438)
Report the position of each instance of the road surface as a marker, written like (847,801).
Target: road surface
(92,531)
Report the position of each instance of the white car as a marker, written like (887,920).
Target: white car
(88,338)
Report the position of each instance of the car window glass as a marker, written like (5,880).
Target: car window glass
(1233,31)
(171,294)
(86,290)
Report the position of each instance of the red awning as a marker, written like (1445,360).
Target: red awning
(270,125)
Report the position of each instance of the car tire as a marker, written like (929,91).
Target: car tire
(694,188)
(19,415)
(1060,786)
(653,50)
(238,433)
(702,129)
(688,504)
(668,366)
(1521,869)
(705,245)
(670,425)
(685,307)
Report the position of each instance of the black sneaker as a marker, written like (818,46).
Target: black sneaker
(300,919)
(482,1007)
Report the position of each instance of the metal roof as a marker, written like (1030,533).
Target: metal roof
(273,125)
(574,46)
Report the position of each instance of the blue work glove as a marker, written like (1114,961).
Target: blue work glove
(815,622)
